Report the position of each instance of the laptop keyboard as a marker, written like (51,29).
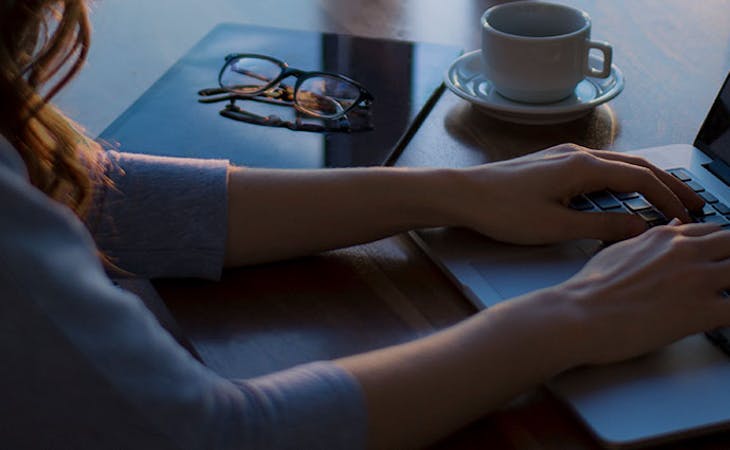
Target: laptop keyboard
(634,203)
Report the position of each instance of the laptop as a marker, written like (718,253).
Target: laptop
(678,391)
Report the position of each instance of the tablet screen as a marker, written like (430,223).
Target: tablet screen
(404,78)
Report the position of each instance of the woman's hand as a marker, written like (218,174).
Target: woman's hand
(525,200)
(631,298)
(646,292)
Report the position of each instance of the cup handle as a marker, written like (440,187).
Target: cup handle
(607,51)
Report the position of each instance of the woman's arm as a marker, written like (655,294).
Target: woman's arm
(418,392)
(277,214)
(631,298)
(85,355)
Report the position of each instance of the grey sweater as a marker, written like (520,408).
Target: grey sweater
(83,364)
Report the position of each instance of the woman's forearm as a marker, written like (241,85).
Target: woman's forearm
(420,391)
(278,214)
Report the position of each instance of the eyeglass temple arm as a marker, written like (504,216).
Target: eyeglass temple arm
(233,97)
(275,95)
(221,90)
(212,91)
(276,121)
(234,110)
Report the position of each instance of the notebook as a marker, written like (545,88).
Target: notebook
(678,391)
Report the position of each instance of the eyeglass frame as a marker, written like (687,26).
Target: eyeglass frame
(364,99)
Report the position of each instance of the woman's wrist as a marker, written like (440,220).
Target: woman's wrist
(546,325)
(440,197)
(576,331)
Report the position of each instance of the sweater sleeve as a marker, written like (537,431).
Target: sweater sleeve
(163,216)
(76,324)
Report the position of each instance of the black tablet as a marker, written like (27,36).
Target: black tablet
(404,78)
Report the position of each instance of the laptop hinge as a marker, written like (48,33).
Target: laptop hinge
(719,169)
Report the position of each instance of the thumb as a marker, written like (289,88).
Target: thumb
(606,226)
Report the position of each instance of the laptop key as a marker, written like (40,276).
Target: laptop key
(720,220)
(581,203)
(637,204)
(681,174)
(707,197)
(695,186)
(621,209)
(652,217)
(706,210)
(604,200)
(721,208)
(625,195)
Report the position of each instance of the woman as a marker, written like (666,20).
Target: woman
(86,365)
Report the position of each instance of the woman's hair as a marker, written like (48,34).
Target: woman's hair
(43,44)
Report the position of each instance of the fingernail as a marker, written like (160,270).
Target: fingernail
(675,222)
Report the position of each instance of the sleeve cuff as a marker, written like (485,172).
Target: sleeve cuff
(163,216)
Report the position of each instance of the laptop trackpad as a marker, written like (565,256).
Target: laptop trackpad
(513,270)
(675,391)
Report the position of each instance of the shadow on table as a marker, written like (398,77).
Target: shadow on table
(500,140)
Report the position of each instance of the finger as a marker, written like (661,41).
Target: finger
(606,226)
(717,312)
(674,222)
(718,278)
(715,245)
(689,198)
(714,312)
(698,229)
(615,226)
(686,230)
(625,177)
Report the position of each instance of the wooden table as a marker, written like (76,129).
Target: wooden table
(674,55)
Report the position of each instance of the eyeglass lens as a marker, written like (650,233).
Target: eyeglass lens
(326,96)
(249,75)
(320,95)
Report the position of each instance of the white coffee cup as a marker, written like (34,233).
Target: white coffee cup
(537,52)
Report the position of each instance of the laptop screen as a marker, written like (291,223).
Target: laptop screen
(714,136)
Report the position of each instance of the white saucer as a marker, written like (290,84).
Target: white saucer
(465,79)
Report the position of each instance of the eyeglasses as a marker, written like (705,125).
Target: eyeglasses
(327,96)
